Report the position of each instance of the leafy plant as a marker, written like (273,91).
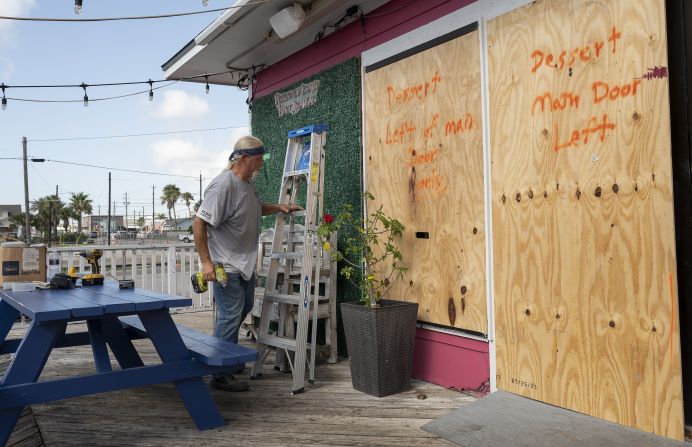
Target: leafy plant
(372,240)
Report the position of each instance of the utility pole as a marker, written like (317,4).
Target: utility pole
(126,216)
(27,223)
(200,186)
(153,216)
(109,208)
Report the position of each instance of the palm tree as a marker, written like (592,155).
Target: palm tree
(18,220)
(160,216)
(188,198)
(169,196)
(47,209)
(65,214)
(197,205)
(81,204)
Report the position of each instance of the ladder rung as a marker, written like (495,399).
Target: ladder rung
(263,272)
(290,299)
(288,255)
(277,342)
(296,173)
(283,298)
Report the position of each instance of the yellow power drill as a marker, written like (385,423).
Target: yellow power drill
(199,284)
(95,278)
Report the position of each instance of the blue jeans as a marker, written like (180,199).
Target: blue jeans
(233,303)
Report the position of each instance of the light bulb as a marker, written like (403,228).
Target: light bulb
(86,100)
(4,103)
(205,3)
(151,95)
(207,88)
(77,6)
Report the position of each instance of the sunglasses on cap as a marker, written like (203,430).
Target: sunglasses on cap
(252,151)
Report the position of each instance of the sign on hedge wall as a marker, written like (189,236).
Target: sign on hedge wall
(296,99)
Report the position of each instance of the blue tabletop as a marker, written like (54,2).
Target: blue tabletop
(88,302)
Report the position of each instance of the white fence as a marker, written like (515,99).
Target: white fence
(161,268)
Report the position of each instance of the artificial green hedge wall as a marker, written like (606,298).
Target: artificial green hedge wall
(337,105)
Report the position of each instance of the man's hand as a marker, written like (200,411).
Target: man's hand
(289,208)
(273,208)
(208,271)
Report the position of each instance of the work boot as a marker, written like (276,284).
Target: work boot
(227,382)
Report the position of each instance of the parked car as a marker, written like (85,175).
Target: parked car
(186,237)
(93,235)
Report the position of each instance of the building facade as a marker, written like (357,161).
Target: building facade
(530,150)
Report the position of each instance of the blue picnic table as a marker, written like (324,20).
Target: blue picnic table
(114,317)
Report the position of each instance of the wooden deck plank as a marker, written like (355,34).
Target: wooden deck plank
(329,413)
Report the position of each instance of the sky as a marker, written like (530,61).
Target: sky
(47,53)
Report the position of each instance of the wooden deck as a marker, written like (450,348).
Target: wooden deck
(330,412)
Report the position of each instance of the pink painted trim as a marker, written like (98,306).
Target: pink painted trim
(382,25)
(458,341)
(451,361)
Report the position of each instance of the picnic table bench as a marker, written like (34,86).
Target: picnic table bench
(186,355)
(205,348)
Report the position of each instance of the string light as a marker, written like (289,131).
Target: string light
(150,90)
(205,3)
(86,98)
(77,6)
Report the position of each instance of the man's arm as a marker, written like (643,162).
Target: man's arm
(199,229)
(273,208)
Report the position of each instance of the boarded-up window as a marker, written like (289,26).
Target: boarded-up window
(584,247)
(424,164)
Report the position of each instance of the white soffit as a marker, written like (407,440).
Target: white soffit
(240,38)
(475,12)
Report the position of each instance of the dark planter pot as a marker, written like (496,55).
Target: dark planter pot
(380,345)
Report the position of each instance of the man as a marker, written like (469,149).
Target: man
(226,230)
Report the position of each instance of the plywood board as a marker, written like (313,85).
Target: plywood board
(424,163)
(584,245)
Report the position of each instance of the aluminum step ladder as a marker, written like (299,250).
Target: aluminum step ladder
(303,171)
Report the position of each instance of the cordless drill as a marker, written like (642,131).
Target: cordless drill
(95,278)
(199,284)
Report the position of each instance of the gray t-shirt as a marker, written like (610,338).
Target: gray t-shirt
(232,208)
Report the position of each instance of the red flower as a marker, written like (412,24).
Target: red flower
(328,218)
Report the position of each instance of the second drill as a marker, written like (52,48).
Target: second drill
(95,278)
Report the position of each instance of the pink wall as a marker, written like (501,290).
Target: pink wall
(451,361)
(381,25)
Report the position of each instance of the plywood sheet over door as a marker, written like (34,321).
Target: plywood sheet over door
(584,244)
(424,163)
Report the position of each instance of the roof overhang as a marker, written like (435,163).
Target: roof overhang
(241,39)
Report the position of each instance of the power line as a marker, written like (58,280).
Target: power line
(112,19)
(107,137)
(120,169)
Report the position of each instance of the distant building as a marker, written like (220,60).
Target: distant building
(100,223)
(6,212)
(180,224)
